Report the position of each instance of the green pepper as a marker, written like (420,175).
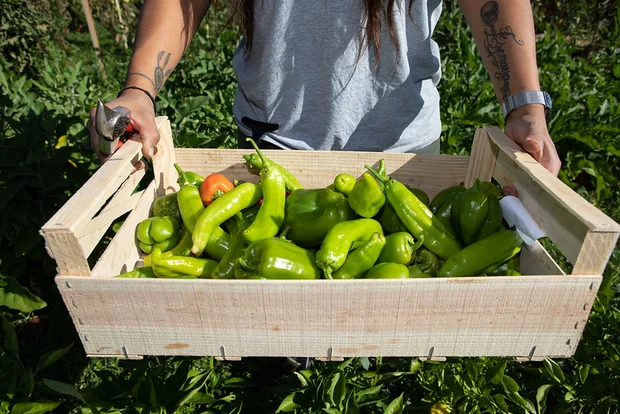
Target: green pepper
(183,247)
(270,216)
(158,232)
(417,218)
(310,214)
(474,259)
(344,183)
(278,259)
(493,222)
(399,248)
(444,213)
(255,161)
(361,259)
(422,196)
(426,261)
(475,214)
(222,209)
(249,214)
(188,178)
(490,188)
(468,214)
(138,272)
(342,238)
(225,268)
(389,220)
(511,272)
(445,195)
(415,272)
(218,244)
(239,272)
(216,247)
(167,206)
(190,202)
(181,266)
(367,196)
(501,270)
(387,270)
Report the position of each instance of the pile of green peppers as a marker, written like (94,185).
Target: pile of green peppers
(371,227)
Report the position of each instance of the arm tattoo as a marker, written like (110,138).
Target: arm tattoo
(160,74)
(494,44)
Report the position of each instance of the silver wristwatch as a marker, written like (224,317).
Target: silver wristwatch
(525,98)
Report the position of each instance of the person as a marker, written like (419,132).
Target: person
(343,75)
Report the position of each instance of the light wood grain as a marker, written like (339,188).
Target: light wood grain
(495,316)
(536,260)
(595,251)
(317,169)
(89,199)
(67,252)
(536,175)
(529,317)
(566,217)
(122,253)
(123,201)
(62,229)
(165,174)
(483,158)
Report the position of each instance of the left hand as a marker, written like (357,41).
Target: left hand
(527,127)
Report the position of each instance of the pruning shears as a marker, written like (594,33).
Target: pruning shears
(114,127)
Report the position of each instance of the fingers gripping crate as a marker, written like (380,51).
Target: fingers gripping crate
(530,317)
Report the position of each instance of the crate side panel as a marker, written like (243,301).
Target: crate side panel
(316,169)
(566,217)
(122,253)
(536,260)
(548,212)
(507,316)
(483,158)
(81,207)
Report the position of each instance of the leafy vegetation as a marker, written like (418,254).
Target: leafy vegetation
(49,79)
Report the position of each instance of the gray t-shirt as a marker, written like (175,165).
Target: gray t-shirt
(305,73)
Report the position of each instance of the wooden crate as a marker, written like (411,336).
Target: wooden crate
(530,317)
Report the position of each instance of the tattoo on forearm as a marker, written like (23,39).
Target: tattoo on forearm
(160,74)
(494,44)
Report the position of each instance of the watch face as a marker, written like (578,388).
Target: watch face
(548,102)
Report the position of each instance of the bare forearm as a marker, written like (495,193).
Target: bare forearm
(505,37)
(165,30)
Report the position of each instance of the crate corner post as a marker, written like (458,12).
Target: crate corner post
(482,159)
(163,161)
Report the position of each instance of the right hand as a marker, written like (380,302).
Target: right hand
(142,119)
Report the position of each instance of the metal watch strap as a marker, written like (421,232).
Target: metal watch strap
(520,99)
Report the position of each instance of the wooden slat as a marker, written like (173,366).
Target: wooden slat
(164,172)
(482,160)
(61,230)
(122,202)
(577,206)
(122,253)
(83,205)
(316,169)
(592,258)
(62,245)
(565,216)
(495,316)
(100,224)
(536,260)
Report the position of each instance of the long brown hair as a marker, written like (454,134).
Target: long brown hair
(375,12)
